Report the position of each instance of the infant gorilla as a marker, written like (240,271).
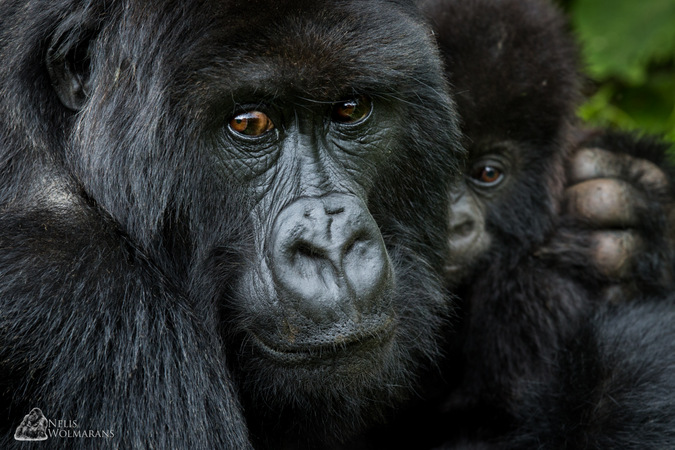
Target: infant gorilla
(524,262)
(546,229)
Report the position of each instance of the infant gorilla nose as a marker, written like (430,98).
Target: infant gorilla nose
(328,260)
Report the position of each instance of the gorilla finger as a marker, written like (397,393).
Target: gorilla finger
(613,252)
(590,163)
(604,202)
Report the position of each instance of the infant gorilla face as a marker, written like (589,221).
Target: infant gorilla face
(606,192)
(488,177)
(468,238)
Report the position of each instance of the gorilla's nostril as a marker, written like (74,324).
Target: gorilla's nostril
(309,250)
(464,228)
(328,258)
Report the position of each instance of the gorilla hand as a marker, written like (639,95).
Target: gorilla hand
(619,194)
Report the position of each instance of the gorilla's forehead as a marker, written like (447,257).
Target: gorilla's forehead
(321,50)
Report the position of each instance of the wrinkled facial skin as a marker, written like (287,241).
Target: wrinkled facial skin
(329,297)
(327,150)
(311,121)
(322,276)
(255,168)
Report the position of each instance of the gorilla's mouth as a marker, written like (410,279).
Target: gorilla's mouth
(362,344)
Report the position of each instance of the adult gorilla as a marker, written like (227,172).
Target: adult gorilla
(209,202)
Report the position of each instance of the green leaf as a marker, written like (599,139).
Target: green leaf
(621,37)
(649,107)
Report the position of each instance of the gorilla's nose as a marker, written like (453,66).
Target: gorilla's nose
(328,258)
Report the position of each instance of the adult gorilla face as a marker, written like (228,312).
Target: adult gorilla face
(279,166)
(327,133)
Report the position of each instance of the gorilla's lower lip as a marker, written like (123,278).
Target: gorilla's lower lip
(357,344)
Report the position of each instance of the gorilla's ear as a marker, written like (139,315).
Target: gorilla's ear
(69,66)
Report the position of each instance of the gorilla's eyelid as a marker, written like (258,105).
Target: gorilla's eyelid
(492,160)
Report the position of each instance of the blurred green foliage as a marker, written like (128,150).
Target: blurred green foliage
(629,52)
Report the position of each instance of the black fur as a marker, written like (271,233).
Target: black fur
(513,68)
(125,234)
(538,357)
(613,384)
(533,319)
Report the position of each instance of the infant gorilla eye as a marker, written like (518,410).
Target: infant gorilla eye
(487,175)
(251,123)
(353,110)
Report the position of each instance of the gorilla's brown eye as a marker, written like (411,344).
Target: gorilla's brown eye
(352,111)
(488,175)
(251,123)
